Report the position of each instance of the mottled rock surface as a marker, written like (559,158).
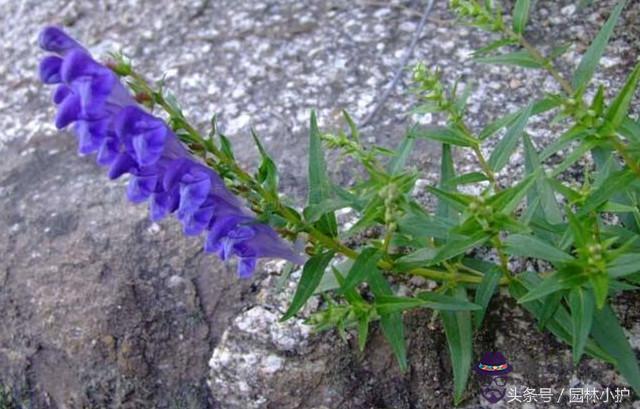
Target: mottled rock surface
(102,309)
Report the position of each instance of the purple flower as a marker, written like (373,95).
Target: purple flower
(107,121)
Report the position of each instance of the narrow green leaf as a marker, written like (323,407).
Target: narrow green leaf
(591,58)
(574,133)
(492,46)
(582,308)
(447,172)
(457,328)
(508,199)
(392,324)
(388,304)
(616,183)
(467,179)
(551,284)
(573,157)
(548,203)
(312,273)
(520,15)
(485,291)
(530,246)
(314,212)
(608,333)
(417,258)
(619,108)
(519,58)
(457,246)
(504,149)
(443,302)
(457,201)
(267,171)
(550,305)
(396,165)
(560,324)
(225,146)
(624,265)
(319,185)
(445,135)
(362,267)
(600,286)
(539,107)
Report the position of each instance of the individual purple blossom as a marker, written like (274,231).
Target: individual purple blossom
(107,121)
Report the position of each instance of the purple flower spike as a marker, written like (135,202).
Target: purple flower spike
(57,41)
(128,139)
(143,135)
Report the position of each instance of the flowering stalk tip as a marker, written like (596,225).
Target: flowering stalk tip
(108,121)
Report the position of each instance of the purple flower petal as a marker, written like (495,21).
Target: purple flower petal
(61,93)
(49,70)
(143,134)
(108,151)
(90,135)
(123,163)
(141,187)
(68,111)
(55,40)
(163,203)
(246,267)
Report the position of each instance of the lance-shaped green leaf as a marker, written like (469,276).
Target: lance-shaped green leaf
(396,165)
(458,245)
(616,183)
(444,302)
(493,46)
(520,15)
(360,309)
(312,273)
(487,287)
(362,267)
(519,58)
(590,59)
(539,107)
(425,226)
(267,172)
(551,284)
(225,146)
(550,305)
(457,328)
(458,201)
(624,265)
(504,149)
(392,324)
(548,203)
(619,108)
(315,212)
(574,156)
(319,185)
(574,133)
(508,199)
(466,179)
(560,324)
(582,308)
(420,257)
(447,172)
(530,246)
(600,286)
(445,135)
(608,333)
